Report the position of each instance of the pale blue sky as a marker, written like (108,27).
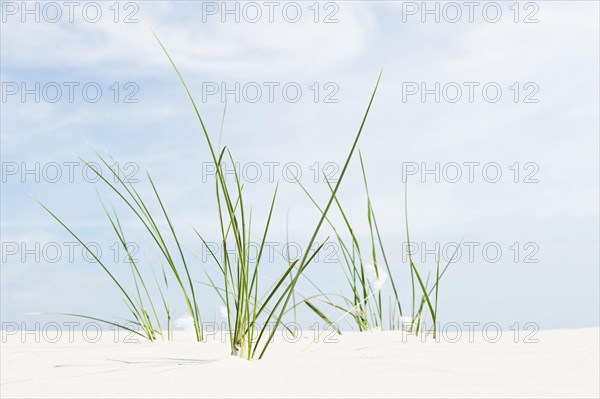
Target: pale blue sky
(559,134)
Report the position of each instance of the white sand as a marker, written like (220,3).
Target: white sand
(565,363)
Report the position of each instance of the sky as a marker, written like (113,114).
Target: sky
(487,118)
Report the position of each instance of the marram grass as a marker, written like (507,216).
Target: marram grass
(245,309)
(254,313)
(366,269)
(139,301)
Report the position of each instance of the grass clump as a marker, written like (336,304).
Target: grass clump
(367,268)
(140,299)
(254,318)
(255,312)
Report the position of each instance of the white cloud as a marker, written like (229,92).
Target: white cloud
(212,47)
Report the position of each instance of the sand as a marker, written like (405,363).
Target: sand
(564,363)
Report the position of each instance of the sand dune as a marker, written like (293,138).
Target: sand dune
(564,363)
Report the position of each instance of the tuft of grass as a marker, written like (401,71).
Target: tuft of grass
(254,312)
(140,300)
(365,303)
(252,318)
